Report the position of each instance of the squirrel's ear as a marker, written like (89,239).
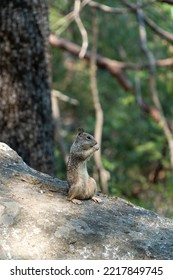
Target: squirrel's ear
(80,131)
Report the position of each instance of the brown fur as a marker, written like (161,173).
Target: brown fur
(82,186)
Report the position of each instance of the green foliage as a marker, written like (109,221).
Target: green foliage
(134,148)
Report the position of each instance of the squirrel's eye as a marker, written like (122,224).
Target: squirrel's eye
(88,138)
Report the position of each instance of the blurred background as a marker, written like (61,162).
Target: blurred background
(105,66)
(133,91)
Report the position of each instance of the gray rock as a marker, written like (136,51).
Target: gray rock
(37,221)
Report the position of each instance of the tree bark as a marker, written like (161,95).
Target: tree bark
(25,108)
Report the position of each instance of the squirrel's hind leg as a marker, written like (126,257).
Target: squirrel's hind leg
(73,193)
(75,201)
(96,199)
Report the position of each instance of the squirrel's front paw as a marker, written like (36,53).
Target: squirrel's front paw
(96,147)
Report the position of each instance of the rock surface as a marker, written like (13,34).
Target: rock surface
(37,221)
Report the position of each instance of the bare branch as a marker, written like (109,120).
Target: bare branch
(167,62)
(116,10)
(108,9)
(112,66)
(56,95)
(65,98)
(58,126)
(115,68)
(103,173)
(75,16)
(150,110)
(153,90)
(161,32)
(77,7)
(104,62)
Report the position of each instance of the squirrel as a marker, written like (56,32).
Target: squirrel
(81,185)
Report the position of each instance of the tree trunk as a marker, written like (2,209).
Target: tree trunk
(25,104)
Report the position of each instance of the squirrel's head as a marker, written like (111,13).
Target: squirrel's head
(85,141)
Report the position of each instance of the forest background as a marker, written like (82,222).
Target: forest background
(135,144)
(111,73)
